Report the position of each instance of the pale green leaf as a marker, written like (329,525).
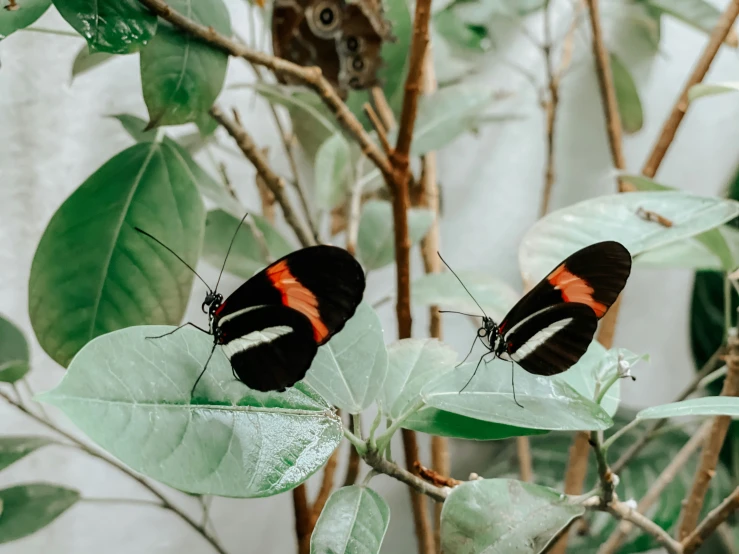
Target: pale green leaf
(614,217)
(13,449)
(699,14)
(502,516)
(627,96)
(350,369)
(353,521)
(712,89)
(376,242)
(707,406)
(332,171)
(131,395)
(548,403)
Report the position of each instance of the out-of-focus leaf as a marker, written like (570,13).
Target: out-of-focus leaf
(13,449)
(711,89)
(446,424)
(30,507)
(14,352)
(332,171)
(627,96)
(460,34)
(136,127)
(706,406)
(115,26)
(85,60)
(699,14)
(25,13)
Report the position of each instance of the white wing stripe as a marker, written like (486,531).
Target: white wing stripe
(255,338)
(539,338)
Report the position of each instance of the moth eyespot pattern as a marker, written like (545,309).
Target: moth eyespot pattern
(326,16)
(357,64)
(354,82)
(352,44)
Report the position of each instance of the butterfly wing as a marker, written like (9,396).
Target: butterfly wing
(594,276)
(551,340)
(269,347)
(324,283)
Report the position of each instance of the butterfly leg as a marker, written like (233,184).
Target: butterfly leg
(474,372)
(513,386)
(180,327)
(192,391)
(468,353)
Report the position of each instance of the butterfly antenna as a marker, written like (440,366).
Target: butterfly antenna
(513,385)
(460,313)
(236,232)
(461,283)
(192,391)
(152,237)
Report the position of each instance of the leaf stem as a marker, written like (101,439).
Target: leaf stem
(384,439)
(620,433)
(135,501)
(45,31)
(358,443)
(120,467)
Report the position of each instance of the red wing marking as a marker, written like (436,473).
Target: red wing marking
(298,297)
(575,289)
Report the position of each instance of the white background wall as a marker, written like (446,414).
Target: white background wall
(53,135)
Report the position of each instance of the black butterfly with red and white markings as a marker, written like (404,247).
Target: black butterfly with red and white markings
(270,328)
(551,327)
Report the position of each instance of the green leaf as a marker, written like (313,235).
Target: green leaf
(548,403)
(132,397)
(332,171)
(31,507)
(182,76)
(627,96)
(375,241)
(115,26)
(445,291)
(26,13)
(482,12)
(353,521)
(707,406)
(412,364)
(13,449)
(85,60)
(614,217)
(699,14)
(711,89)
(446,424)
(136,127)
(118,277)
(247,256)
(598,366)
(14,352)
(498,516)
(448,24)
(350,369)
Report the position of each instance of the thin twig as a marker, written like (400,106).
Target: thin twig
(272,180)
(714,518)
(434,477)
(377,462)
(120,467)
(352,467)
(613,543)
(378,126)
(354,208)
(670,127)
(311,76)
(709,457)
(625,513)
(383,108)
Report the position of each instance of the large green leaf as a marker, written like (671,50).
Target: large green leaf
(332,171)
(353,521)
(131,395)
(31,507)
(85,60)
(614,217)
(548,403)
(13,449)
(500,516)
(247,256)
(412,364)
(699,14)
(350,369)
(14,353)
(182,76)
(446,424)
(707,406)
(93,273)
(627,96)
(26,12)
(376,242)
(115,26)
(445,291)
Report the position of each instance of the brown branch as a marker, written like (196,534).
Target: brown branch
(378,126)
(613,543)
(377,462)
(303,519)
(625,513)
(669,129)
(709,457)
(75,442)
(311,76)
(424,533)
(714,518)
(383,108)
(525,464)
(327,485)
(275,183)
(434,477)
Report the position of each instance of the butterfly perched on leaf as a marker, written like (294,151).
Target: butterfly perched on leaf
(551,327)
(270,328)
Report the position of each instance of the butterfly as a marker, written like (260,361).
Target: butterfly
(551,327)
(270,328)
(342,37)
